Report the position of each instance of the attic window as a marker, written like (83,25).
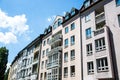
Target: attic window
(45,32)
(67,16)
(59,22)
(73,12)
(49,30)
(87,4)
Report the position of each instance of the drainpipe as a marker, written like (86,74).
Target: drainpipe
(81,47)
(39,59)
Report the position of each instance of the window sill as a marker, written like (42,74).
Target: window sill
(88,37)
(66,46)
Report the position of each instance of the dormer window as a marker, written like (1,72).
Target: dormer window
(73,11)
(59,22)
(87,3)
(49,28)
(45,32)
(55,25)
(67,16)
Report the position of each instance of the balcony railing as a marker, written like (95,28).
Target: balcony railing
(53,64)
(99,31)
(34,76)
(57,49)
(100,17)
(56,38)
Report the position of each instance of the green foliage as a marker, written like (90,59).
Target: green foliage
(3,61)
(6,75)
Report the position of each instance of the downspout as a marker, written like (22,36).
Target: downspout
(39,59)
(81,47)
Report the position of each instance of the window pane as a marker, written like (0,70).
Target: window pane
(88,33)
(117,2)
(72,26)
(119,18)
(87,18)
(87,3)
(66,30)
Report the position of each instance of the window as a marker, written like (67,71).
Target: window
(102,64)
(66,30)
(48,41)
(72,69)
(67,15)
(100,44)
(72,26)
(55,25)
(59,22)
(45,76)
(119,19)
(41,76)
(66,57)
(46,63)
(72,54)
(47,50)
(89,49)
(42,65)
(44,43)
(73,12)
(88,33)
(43,53)
(87,3)
(66,43)
(87,18)
(90,67)
(65,72)
(117,2)
(72,40)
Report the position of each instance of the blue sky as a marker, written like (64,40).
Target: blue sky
(21,21)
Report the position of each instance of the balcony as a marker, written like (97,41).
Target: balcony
(99,31)
(53,64)
(34,76)
(55,39)
(57,49)
(102,30)
(100,17)
(36,49)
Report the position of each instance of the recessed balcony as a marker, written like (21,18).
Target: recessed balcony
(100,17)
(54,50)
(100,31)
(54,63)
(55,39)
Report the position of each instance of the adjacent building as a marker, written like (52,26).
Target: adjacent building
(82,45)
(26,64)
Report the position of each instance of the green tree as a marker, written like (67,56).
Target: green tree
(6,75)
(3,61)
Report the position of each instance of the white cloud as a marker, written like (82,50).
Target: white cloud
(7,38)
(14,26)
(50,19)
(64,13)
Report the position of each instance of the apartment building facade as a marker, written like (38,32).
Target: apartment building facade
(100,31)
(82,45)
(26,63)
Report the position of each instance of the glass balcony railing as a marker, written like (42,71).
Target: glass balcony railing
(57,49)
(56,38)
(53,64)
(100,17)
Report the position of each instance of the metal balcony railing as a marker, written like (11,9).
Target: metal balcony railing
(100,17)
